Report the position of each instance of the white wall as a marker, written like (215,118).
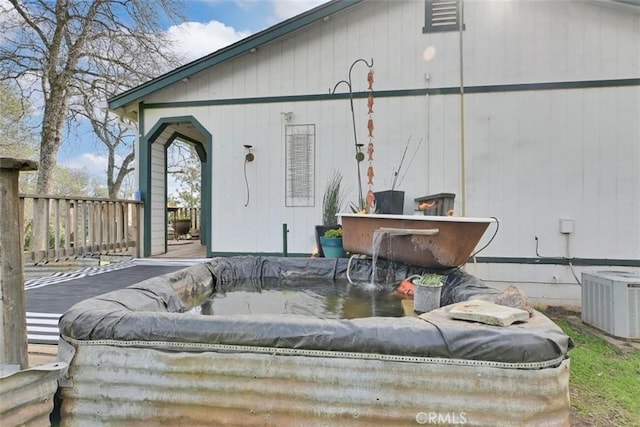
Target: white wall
(505,42)
(533,157)
(550,40)
(158,202)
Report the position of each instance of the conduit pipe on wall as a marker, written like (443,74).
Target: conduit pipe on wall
(249,157)
(462,148)
(285,240)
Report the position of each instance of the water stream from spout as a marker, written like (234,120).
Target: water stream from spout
(378,235)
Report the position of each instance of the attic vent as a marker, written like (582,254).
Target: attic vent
(441,15)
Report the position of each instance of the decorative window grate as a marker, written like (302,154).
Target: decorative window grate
(441,15)
(300,165)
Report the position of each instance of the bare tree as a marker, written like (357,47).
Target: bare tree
(114,133)
(184,165)
(66,50)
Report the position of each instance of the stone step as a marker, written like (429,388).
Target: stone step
(488,313)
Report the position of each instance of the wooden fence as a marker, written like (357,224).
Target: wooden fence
(58,228)
(193,214)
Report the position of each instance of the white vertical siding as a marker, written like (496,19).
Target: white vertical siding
(524,41)
(536,157)
(532,157)
(158,202)
(550,40)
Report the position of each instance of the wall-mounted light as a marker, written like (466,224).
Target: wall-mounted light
(185,80)
(287,116)
(249,156)
(253,50)
(359,154)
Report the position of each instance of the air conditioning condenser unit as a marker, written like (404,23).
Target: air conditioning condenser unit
(611,302)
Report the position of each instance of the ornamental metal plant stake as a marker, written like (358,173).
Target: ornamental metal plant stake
(359,154)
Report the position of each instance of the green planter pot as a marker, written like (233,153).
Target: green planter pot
(320,230)
(332,247)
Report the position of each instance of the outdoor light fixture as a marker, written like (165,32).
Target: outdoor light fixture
(249,157)
(359,154)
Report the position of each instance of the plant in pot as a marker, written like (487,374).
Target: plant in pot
(331,205)
(332,243)
(181,227)
(426,292)
(363,208)
(392,201)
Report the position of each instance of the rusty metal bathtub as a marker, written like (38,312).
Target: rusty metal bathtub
(426,241)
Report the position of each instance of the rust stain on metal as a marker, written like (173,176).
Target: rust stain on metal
(116,385)
(26,397)
(450,247)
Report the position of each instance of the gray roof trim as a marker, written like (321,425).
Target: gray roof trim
(231,51)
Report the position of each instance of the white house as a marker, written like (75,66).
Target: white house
(545,134)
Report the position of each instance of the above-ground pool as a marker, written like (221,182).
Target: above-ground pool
(170,351)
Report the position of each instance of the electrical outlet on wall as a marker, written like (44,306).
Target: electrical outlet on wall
(566,226)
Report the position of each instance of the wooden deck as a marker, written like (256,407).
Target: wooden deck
(42,354)
(184,249)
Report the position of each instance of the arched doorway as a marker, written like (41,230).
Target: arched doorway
(153,179)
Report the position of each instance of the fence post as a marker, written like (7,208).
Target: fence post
(13,320)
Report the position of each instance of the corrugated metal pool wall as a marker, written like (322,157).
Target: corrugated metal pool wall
(131,384)
(26,397)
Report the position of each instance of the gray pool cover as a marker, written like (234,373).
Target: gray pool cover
(150,311)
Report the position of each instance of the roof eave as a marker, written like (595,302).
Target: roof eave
(631,2)
(231,51)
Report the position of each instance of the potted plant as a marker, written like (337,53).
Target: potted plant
(426,292)
(392,201)
(331,243)
(181,226)
(363,208)
(331,205)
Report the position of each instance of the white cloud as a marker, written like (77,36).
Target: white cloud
(93,164)
(284,9)
(194,40)
(246,4)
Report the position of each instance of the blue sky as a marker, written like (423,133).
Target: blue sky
(213,24)
(210,25)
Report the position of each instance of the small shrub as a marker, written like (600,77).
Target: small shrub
(429,279)
(333,233)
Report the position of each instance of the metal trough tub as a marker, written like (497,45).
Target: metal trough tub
(425,241)
(136,358)
(26,396)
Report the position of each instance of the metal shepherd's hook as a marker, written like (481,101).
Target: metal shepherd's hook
(353,118)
